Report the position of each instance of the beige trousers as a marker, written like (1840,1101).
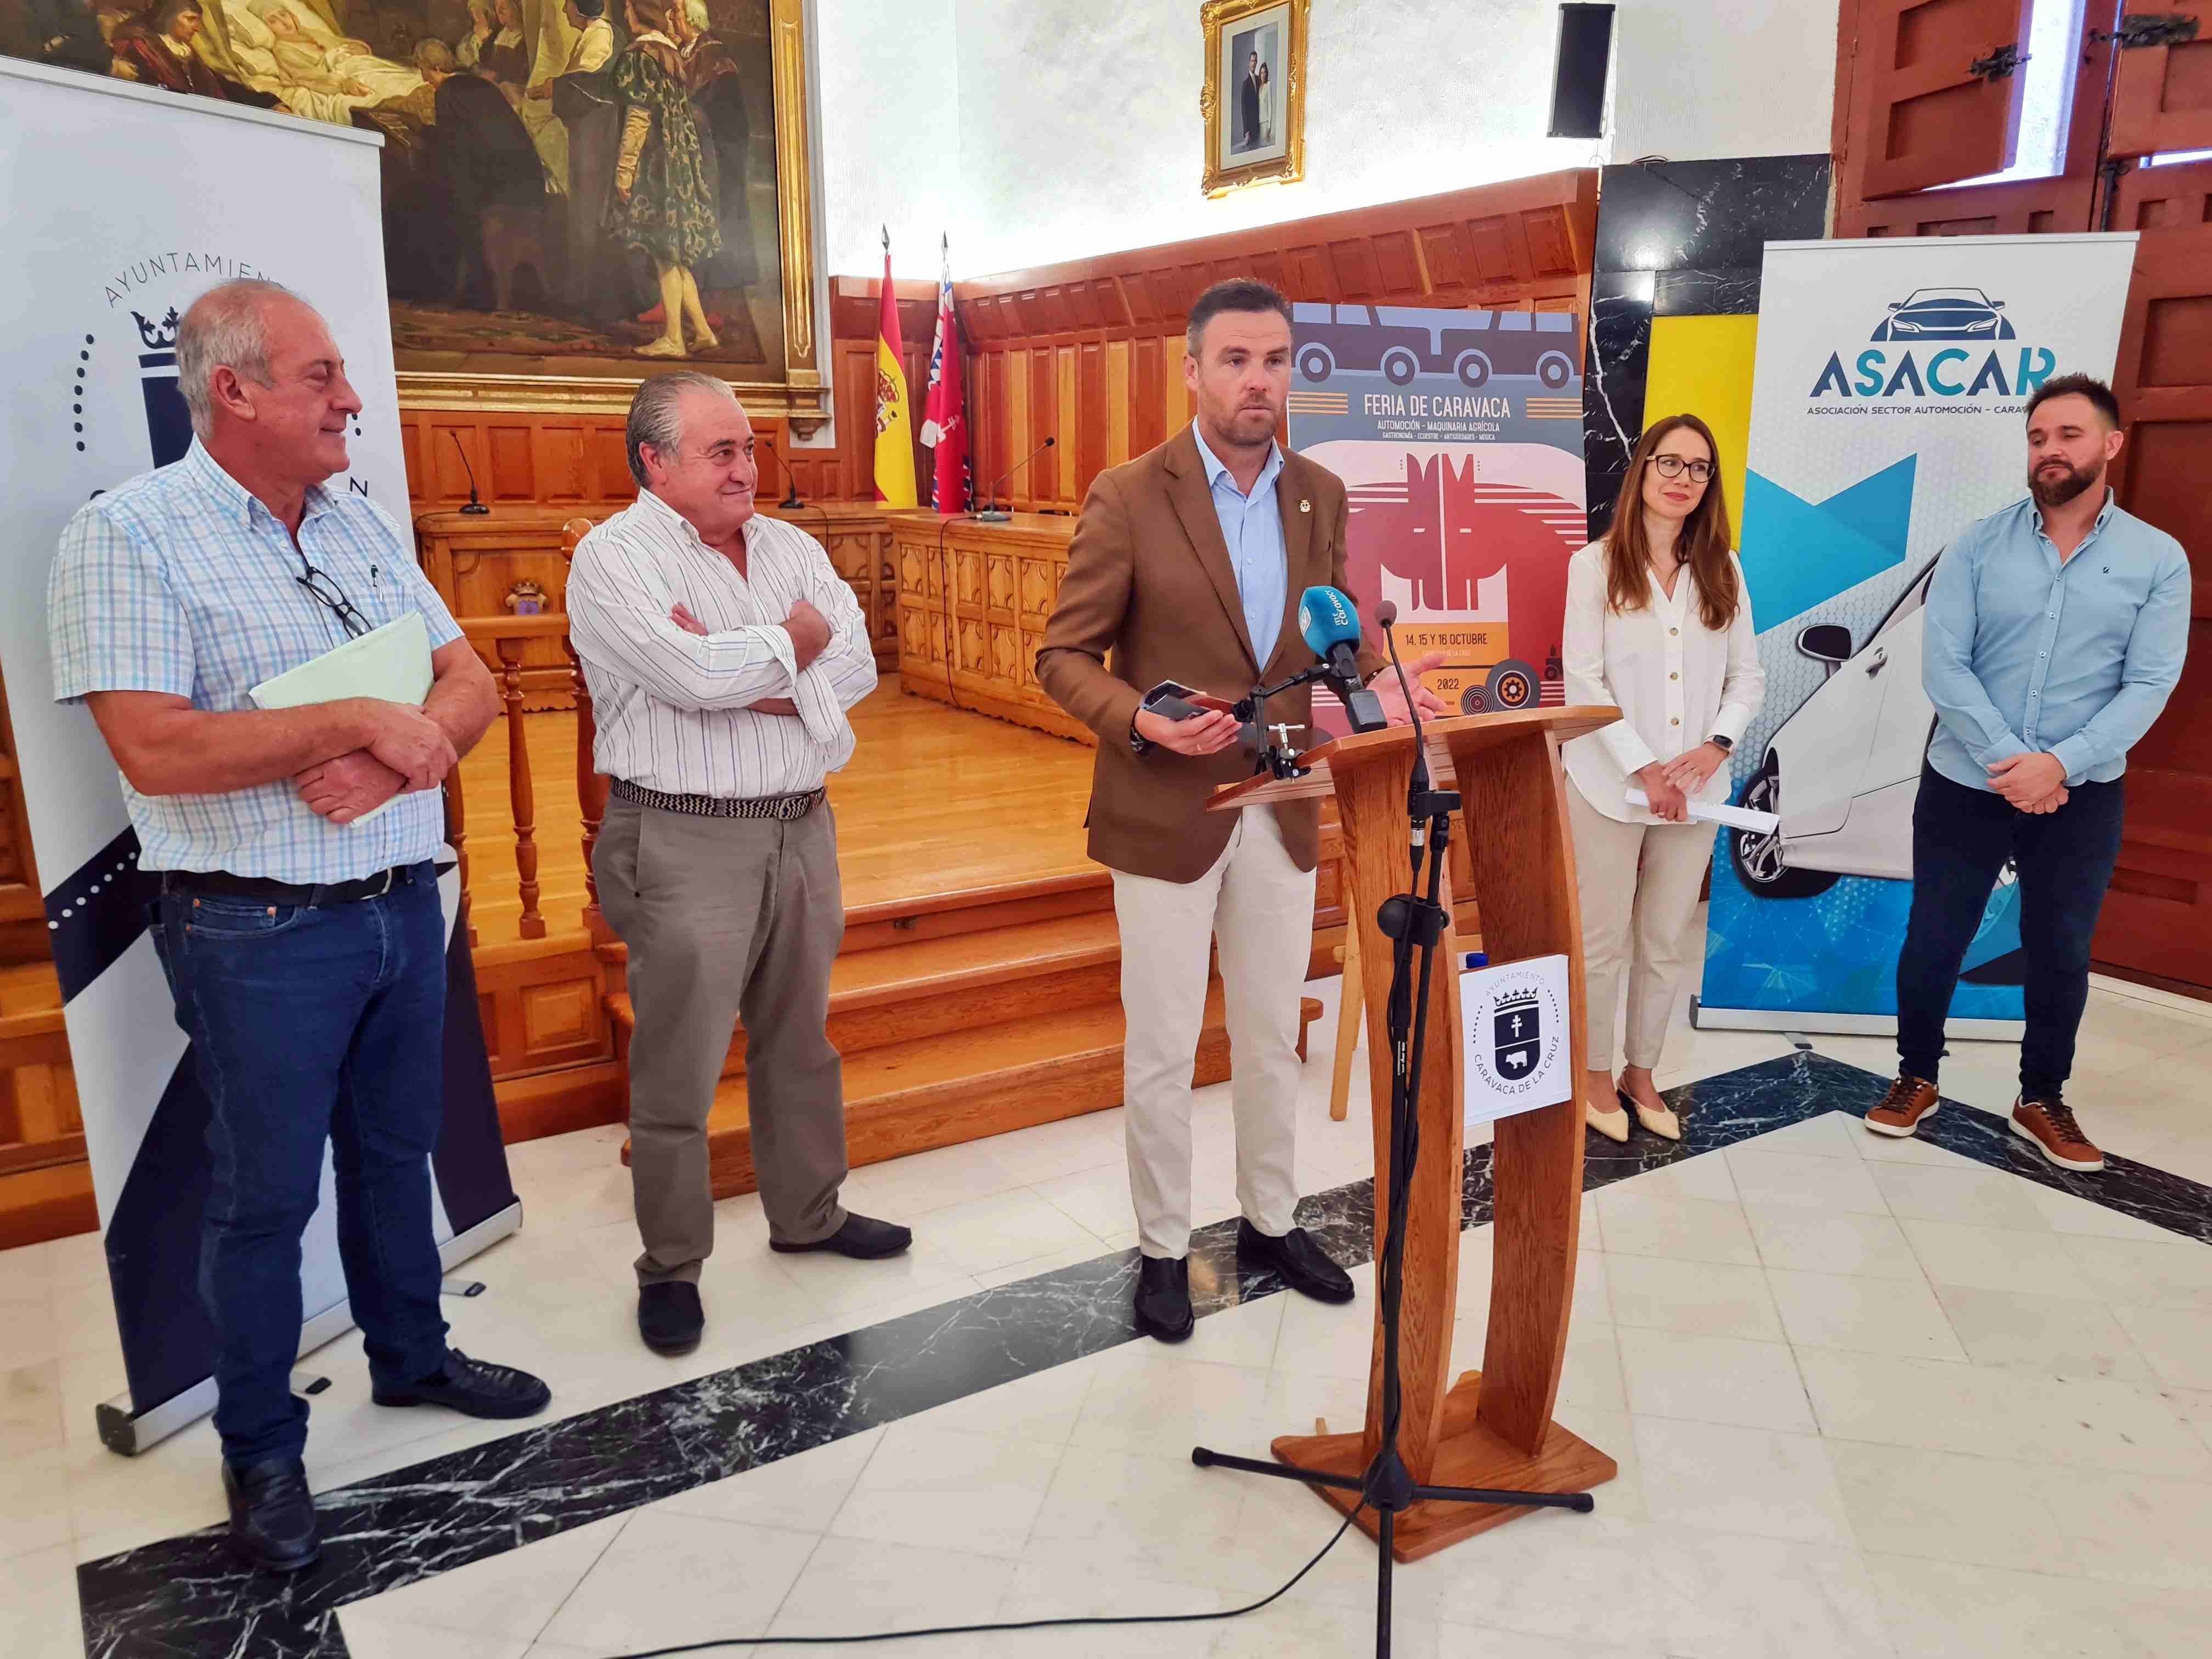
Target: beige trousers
(1259,905)
(725,919)
(1638,884)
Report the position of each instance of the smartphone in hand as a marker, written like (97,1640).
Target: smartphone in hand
(1172,700)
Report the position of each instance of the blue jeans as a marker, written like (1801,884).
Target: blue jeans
(1960,840)
(314,1025)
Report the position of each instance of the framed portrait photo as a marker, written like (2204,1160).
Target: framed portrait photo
(1254,100)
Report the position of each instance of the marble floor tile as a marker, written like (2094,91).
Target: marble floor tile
(1733,1479)
(981,1233)
(1053,1589)
(1691,1229)
(1140,1402)
(1696,1299)
(1471,1642)
(2176,1345)
(1043,1406)
(1096,1198)
(514,1594)
(1714,1379)
(922,1184)
(671,1578)
(2146,1274)
(1150,1514)
(1802,1182)
(370,1637)
(1832,1241)
(800,1493)
(2030,1263)
(926,1486)
(1959,1193)
(2059,1335)
(854,1585)
(1937,1406)
(1573,1578)
(1725,1595)
(35,1503)
(39,1615)
(1867,1316)
(1937,1609)
(1832,1134)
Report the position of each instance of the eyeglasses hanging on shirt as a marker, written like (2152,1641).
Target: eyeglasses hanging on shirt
(332,598)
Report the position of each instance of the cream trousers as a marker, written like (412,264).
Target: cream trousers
(1638,883)
(1259,905)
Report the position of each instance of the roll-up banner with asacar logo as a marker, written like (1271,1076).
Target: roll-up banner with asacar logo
(1887,414)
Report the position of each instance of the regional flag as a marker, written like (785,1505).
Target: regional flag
(894,434)
(945,414)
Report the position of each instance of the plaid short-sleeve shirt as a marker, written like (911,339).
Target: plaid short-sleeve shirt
(181,581)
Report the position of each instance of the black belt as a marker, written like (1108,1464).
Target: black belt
(220,883)
(782,808)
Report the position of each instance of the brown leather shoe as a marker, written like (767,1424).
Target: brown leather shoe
(2048,1125)
(1898,1113)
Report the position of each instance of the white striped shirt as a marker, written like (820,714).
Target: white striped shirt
(673,709)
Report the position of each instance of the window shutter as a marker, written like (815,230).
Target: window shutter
(1936,90)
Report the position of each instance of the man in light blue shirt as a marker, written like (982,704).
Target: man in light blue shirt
(2055,632)
(1252,526)
(306,952)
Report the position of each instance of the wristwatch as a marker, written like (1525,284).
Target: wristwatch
(1726,745)
(1138,744)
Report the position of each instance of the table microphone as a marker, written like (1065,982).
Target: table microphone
(1330,623)
(993,512)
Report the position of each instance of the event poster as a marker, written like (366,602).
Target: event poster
(91,400)
(1888,408)
(1459,438)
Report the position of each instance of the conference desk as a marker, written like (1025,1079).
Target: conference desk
(973,602)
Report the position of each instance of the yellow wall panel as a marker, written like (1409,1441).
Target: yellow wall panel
(1701,366)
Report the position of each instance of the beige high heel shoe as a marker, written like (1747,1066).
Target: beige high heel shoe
(1613,1125)
(1662,1123)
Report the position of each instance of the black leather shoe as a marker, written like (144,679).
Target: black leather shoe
(669,1316)
(862,1237)
(1164,1297)
(272,1516)
(1304,1265)
(472,1387)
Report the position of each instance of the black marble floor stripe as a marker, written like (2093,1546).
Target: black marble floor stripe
(186,1597)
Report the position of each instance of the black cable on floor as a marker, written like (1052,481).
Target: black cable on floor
(1027,1624)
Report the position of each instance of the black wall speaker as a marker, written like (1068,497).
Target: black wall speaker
(1578,75)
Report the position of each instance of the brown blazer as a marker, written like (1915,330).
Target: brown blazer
(1150,595)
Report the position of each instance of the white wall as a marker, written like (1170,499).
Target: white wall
(1037,130)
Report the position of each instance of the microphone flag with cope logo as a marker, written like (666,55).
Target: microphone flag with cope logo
(1516,1020)
(1327,618)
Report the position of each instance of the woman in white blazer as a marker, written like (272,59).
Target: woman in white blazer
(1659,623)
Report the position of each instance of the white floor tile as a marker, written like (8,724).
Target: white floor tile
(1051,1590)
(2147,1275)
(514,1594)
(2178,1345)
(1867,1316)
(1996,1258)
(1797,1180)
(925,1485)
(801,1493)
(1941,1610)
(1697,1298)
(2056,1334)
(854,1585)
(1729,1596)
(1737,1480)
(1095,1198)
(1714,1379)
(1042,1406)
(1691,1229)
(1832,1241)
(1958,1192)
(676,1578)
(370,1636)
(38,1617)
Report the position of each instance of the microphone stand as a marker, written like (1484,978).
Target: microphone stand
(1416,922)
(992,513)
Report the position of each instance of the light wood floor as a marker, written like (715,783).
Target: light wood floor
(935,800)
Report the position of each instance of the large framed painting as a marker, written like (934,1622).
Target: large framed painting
(575,191)
(1255,99)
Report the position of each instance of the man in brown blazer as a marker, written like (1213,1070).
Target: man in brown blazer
(1187,565)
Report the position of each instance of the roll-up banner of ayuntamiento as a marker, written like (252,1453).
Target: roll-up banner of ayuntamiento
(113,242)
(1888,408)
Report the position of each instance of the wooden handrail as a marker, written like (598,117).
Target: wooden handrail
(457,837)
(535,625)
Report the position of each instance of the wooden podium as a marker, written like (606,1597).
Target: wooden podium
(1493,1427)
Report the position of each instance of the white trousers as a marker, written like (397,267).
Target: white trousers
(1260,907)
(1638,884)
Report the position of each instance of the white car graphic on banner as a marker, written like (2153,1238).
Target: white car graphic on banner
(1843,771)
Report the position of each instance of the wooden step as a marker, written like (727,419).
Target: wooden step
(944,1090)
(956,982)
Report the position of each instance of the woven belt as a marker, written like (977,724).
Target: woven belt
(782,808)
(220,883)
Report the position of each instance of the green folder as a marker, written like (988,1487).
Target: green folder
(392,662)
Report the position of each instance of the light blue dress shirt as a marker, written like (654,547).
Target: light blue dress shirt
(1253,526)
(183,582)
(2024,655)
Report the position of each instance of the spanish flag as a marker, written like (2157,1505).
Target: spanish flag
(894,432)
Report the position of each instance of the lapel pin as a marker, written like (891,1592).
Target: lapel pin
(1306,506)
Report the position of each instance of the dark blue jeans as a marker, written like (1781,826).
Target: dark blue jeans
(309,1026)
(1960,840)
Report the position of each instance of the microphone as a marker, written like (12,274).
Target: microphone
(1386,613)
(993,512)
(475,507)
(1330,623)
(791,492)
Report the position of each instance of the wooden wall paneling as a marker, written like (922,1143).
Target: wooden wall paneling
(22,904)
(1117,403)
(2065,203)
(2171,197)
(2162,97)
(41,1123)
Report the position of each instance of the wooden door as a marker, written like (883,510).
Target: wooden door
(2162,98)
(2157,920)
(1933,100)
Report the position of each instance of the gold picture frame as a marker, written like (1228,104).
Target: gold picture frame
(1256,124)
(800,397)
